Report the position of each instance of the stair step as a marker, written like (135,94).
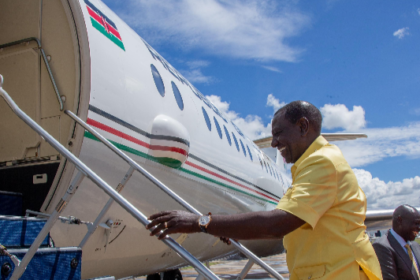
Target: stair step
(10,203)
(20,232)
(48,263)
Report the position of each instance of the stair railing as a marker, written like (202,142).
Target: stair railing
(135,166)
(84,171)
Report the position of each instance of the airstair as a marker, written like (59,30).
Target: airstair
(30,263)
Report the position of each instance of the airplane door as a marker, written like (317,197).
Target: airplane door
(20,67)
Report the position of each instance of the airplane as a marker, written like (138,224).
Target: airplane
(78,55)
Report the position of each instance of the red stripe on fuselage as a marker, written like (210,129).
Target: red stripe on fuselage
(99,19)
(226,179)
(165,148)
(170,149)
(117,133)
(134,140)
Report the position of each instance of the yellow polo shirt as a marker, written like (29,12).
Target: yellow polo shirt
(332,244)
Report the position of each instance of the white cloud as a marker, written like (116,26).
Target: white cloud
(194,73)
(249,29)
(271,68)
(338,116)
(382,143)
(194,64)
(416,111)
(418,11)
(274,102)
(252,126)
(381,195)
(196,76)
(401,33)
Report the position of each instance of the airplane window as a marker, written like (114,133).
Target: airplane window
(207,102)
(269,169)
(158,80)
(265,165)
(259,158)
(218,128)
(178,96)
(236,141)
(227,136)
(206,117)
(249,152)
(243,147)
(238,130)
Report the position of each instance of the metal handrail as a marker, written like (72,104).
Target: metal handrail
(44,57)
(85,171)
(168,191)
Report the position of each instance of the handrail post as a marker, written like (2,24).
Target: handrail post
(17,273)
(245,270)
(92,228)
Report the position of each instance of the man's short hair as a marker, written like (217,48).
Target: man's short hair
(297,109)
(402,209)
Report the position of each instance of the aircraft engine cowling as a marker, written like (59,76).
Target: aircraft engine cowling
(170,142)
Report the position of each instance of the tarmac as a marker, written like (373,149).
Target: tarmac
(230,269)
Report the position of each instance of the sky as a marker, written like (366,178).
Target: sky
(357,61)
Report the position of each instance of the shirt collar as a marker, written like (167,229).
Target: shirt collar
(399,238)
(318,143)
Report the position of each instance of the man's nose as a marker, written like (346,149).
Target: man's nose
(274,143)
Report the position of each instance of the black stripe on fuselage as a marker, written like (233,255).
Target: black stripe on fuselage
(163,137)
(227,173)
(136,129)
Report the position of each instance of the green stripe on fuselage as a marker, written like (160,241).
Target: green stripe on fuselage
(110,36)
(173,163)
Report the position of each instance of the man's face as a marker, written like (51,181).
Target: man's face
(286,138)
(410,226)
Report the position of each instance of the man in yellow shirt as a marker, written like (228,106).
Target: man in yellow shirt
(321,216)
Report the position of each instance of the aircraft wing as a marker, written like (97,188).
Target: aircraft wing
(343,136)
(266,141)
(378,219)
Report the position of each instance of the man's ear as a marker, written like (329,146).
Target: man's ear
(304,126)
(399,220)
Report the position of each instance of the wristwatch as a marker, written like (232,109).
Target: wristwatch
(204,222)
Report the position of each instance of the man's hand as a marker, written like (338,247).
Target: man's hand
(246,226)
(226,240)
(173,222)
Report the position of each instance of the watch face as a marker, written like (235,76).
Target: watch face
(204,220)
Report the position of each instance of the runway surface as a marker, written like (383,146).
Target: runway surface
(231,269)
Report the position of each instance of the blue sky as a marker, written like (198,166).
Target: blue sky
(358,61)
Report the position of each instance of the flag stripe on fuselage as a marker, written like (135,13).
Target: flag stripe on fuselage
(96,10)
(109,27)
(146,145)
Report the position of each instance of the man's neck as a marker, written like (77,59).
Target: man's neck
(399,234)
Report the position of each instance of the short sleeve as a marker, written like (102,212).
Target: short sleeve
(313,190)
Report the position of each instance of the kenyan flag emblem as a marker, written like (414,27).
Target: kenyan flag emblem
(104,25)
